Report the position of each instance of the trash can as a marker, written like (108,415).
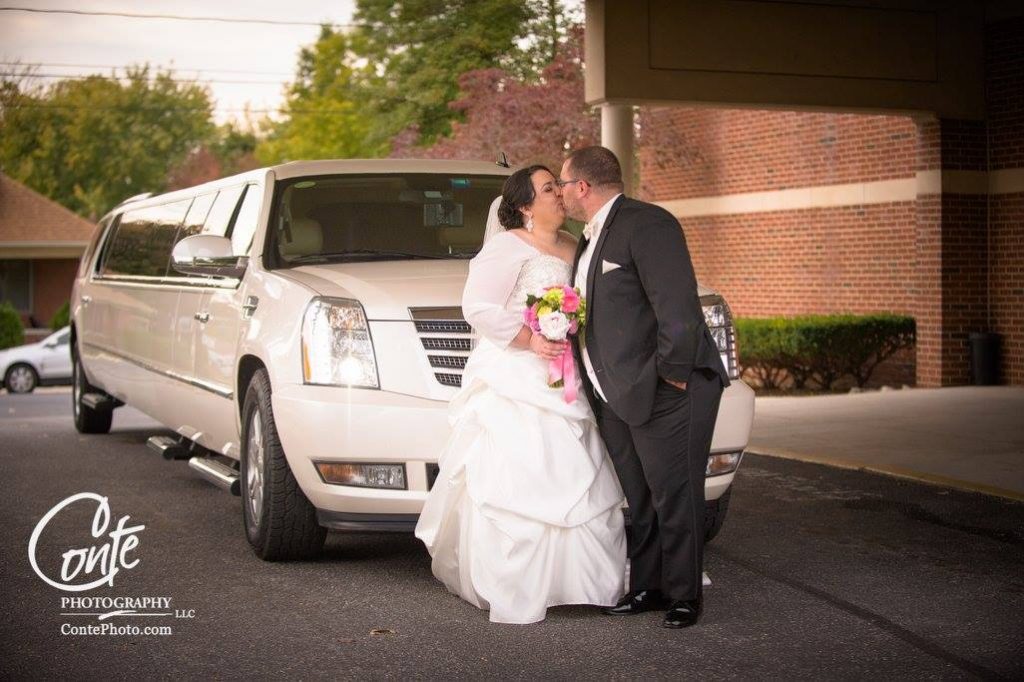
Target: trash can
(985,358)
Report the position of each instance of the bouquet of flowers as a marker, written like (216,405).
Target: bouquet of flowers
(557,312)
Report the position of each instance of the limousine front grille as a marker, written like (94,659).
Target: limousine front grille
(447,340)
(432,343)
(448,379)
(449,361)
(444,327)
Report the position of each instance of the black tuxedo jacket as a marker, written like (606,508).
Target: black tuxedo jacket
(644,317)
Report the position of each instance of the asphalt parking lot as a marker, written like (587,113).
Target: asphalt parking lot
(818,573)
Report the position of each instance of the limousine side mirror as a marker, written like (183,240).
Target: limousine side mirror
(207,254)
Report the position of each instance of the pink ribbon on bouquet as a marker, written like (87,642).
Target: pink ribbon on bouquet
(564,368)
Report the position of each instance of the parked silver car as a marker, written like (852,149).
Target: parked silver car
(37,364)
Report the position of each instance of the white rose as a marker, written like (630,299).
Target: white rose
(554,326)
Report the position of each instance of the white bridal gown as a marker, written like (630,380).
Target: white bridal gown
(525,513)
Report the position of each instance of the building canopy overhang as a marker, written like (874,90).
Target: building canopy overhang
(869,56)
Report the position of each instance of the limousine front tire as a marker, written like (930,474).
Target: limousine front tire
(280,522)
(714,515)
(87,419)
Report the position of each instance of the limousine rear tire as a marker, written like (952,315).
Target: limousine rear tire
(87,420)
(280,521)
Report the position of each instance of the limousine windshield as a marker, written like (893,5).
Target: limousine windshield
(380,217)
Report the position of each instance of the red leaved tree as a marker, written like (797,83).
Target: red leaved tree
(532,122)
(540,122)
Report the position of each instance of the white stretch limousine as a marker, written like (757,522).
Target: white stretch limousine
(299,328)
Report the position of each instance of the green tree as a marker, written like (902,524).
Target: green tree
(397,76)
(90,143)
(231,151)
(419,48)
(325,115)
(62,317)
(533,121)
(234,147)
(548,29)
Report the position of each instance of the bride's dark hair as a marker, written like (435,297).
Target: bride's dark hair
(517,193)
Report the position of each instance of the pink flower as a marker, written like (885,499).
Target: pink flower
(530,318)
(571,302)
(574,326)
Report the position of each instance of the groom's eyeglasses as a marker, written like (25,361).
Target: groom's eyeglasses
(563,183)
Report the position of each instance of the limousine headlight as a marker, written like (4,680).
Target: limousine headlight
(719,321)
(336,345)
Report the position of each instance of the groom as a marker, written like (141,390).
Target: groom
(653,376)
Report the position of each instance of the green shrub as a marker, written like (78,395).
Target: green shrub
(12,331)
(881,336)
(822,348)
(62,317)
(762,343)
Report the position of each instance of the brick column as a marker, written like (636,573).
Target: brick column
(1004,74)
(951,248)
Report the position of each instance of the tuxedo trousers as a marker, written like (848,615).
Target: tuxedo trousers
(661,466)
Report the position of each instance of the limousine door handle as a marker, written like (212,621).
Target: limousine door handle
(249,307)
(203,317)
(86,300)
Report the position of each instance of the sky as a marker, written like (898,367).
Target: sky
(195,49)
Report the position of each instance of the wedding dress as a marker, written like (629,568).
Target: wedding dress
(525,512)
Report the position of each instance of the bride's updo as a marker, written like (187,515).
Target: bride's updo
(516,194)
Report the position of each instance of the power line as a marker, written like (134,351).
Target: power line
(178,17)
(159,66)
(119,78)
(174,109)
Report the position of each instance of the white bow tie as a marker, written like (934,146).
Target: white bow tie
(588,230)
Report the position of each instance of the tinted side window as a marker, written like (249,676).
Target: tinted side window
(220,215)
(196,216)
(97,234)
(245,223)
(142,244)
(104,245)
(191,225)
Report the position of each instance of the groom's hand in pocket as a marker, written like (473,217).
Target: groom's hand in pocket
(681,385)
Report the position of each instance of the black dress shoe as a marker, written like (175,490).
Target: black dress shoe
(637,602)
(683,614)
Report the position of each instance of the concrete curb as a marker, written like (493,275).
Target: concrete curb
(898,472)
(49,389)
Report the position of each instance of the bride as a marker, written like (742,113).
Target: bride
(525,513)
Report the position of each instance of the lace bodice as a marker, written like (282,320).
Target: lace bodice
(538,273)
(500,277)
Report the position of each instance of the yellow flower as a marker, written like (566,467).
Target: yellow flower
(554,297)
(544,310)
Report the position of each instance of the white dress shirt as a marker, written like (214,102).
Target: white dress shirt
(594,227)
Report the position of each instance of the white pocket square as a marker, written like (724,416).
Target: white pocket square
(608,266)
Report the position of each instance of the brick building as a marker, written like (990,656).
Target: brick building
(40,244)
(818,203)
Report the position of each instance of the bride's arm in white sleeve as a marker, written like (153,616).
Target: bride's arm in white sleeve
(492,276)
